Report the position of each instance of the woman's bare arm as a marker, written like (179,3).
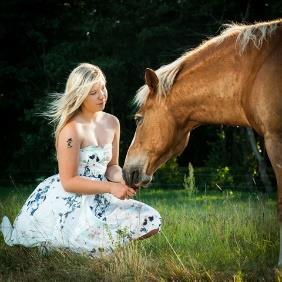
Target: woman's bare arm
(68,159)
(114,171)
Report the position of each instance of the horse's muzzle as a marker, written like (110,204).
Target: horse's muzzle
(134,177)
(131,176)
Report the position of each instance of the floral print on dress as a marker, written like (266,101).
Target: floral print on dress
(35,201)
(73,203)
(90,224)
(101,204)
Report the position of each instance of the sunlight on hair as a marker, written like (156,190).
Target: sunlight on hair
(257,34)
(65,105)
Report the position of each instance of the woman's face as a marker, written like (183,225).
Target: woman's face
(96,99)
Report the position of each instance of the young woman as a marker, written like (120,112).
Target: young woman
(86,207)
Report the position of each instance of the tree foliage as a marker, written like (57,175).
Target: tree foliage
(42,41)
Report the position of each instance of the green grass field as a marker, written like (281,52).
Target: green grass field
(222,236)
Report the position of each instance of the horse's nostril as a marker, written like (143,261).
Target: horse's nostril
(130,176)
(134,177)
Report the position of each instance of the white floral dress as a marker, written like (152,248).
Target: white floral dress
(89,224)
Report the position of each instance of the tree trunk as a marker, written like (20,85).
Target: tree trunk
(261,163)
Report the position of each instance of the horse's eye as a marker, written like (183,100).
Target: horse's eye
(138,119)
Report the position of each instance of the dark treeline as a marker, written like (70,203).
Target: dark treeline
(42,41)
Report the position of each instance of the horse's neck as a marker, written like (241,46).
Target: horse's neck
(211,86)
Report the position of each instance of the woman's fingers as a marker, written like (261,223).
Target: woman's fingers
(130,192)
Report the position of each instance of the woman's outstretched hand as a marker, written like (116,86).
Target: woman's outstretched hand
(122,191)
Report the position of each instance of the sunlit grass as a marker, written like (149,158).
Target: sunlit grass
(224,236)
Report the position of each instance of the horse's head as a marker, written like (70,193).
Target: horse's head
(158,137)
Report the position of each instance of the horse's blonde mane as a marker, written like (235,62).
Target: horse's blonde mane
(166,75)
(256,33)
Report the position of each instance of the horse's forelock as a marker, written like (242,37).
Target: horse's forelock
(141,96)
(166,75)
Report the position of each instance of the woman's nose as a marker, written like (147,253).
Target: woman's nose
(101,94)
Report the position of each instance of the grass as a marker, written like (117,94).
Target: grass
(220,236)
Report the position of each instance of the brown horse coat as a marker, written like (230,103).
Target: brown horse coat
(234,78)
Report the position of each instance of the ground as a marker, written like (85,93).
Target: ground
(214,236)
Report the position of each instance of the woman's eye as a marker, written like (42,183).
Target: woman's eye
(93,93)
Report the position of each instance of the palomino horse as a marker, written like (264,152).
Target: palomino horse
(233,78)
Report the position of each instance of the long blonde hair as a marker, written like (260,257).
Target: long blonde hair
(65,105)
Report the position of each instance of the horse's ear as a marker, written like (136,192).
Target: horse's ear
(151,79)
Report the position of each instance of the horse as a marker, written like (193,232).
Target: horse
(233,78)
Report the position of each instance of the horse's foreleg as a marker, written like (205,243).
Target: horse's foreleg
(273,144)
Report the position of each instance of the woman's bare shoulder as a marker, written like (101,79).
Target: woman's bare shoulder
(70,130)
(71,125)
(111,120)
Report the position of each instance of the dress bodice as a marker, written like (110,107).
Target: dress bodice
(94,160)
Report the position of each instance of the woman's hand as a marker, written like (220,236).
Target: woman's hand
(121,191)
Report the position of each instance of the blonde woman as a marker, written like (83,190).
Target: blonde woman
(78,209)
